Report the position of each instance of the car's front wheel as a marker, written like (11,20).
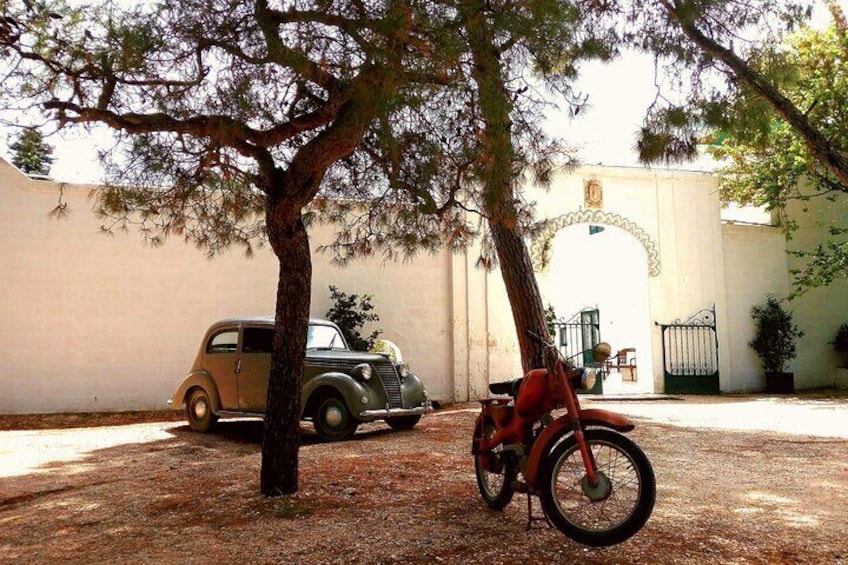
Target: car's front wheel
(403,422)
(333,421)
(199,411)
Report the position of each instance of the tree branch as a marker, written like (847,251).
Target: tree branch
(280,53)
(818,144)
(838,16)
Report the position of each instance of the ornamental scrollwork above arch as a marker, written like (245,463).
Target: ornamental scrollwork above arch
(543,238)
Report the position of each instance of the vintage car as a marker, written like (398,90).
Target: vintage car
(341,388)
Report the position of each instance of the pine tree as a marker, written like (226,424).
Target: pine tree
(30,153)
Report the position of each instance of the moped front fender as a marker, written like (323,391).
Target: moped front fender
(560,427)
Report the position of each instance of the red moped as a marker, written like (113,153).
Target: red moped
(595,485)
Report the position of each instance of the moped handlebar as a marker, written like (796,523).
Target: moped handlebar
(536,337)
(600,352)
(550,360)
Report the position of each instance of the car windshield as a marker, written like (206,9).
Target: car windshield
(324,337)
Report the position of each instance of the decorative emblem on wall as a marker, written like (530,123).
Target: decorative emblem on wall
(542,245)
(593,193)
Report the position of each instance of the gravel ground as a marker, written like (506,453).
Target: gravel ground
(740,480)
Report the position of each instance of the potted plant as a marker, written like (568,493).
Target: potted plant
(840,343)
(774,342)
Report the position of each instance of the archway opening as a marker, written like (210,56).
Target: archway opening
(605,268)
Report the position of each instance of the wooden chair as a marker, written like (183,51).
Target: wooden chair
(624,362)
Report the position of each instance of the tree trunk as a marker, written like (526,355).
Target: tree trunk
(287,192)
(523,291)
(281,442)
(499,175)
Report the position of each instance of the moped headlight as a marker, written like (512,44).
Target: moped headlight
(403,369)
(362,372)
(588,378)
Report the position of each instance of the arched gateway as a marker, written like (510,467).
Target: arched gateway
(542,245)
(583,273)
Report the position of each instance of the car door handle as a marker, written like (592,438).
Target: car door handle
(238,366)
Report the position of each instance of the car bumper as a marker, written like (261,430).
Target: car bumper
(382,414)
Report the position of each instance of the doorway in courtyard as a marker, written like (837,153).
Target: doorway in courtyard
(596,284)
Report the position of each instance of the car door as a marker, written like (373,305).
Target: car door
(254,367)
(220,361)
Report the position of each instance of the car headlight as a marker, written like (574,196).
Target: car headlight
(588,378)
(403,369)
(362,372)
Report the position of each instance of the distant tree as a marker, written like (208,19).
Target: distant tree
(30,153)
(777,105)
(770,164)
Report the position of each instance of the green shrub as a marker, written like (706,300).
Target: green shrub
(350,312)
(551,320)
(776,335)
(840,342)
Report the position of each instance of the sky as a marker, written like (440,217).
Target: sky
(604,133)
(619,94)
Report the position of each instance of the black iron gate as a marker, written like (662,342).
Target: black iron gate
(577,336)
(690,354)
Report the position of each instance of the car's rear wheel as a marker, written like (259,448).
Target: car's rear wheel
(403,422)
(333,421)
(199,411)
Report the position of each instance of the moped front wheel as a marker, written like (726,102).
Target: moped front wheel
(609,512)
(495,474)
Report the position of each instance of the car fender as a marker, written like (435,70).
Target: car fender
(200,379)
(348,387)
(414,393)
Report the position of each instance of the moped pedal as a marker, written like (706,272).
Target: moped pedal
(520,486)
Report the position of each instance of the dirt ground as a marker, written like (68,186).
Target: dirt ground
(740,480)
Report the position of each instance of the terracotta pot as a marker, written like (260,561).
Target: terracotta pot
(780,383)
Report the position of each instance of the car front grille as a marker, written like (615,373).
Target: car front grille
(391,382)
(388,376)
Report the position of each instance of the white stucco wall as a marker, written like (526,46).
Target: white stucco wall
(96,322)
(677,215)
(413,299)
(755,266)
(818,312)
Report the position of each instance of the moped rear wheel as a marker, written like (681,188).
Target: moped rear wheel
(610,512)
(495,475)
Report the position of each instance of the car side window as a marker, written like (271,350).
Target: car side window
(225,341)
(257,340)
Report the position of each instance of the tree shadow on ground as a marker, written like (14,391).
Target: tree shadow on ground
(251,431)
(410,497)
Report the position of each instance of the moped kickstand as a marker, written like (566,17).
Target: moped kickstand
(531,518)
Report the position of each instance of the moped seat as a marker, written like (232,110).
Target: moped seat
(506,387)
